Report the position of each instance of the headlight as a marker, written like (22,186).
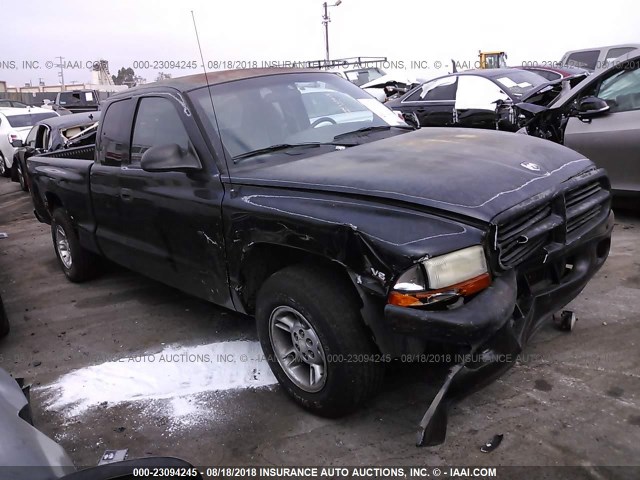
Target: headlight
(449,276)
(455,267)
(411,281)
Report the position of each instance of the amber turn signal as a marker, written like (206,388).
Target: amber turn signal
(466,288)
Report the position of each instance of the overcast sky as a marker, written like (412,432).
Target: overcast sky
(254,30)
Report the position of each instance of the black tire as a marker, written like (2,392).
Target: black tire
(84,264)
(14,170)
(4,171)
(4,321)
(21,174)
(22,181)
(331,308)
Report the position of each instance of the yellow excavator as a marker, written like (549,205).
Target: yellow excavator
(485,60)
(492,59)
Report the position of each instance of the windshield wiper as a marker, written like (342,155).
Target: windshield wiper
(273,148)
(372,129)
(285,146)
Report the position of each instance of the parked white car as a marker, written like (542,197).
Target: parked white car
(395,80)
(361,76)
(327,107)
(15,124)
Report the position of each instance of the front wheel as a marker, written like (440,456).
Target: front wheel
(77,263)
(314,339)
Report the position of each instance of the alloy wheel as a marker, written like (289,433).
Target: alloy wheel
(62,246)
(298,349)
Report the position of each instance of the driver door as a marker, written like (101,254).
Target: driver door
(171,220)
(612,140)
(433,102)
(477,102)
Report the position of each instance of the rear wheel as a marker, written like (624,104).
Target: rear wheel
(4,170)
(77,263)
(313,337)
(23,182)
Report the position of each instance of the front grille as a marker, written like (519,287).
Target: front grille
(514,238)
(583,204)
(526,231)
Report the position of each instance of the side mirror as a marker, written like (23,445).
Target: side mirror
(17,143)
(168,158)
(591,107)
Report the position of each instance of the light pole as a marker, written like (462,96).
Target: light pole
(61,73)
(325,21)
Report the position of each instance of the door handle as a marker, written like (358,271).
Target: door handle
(126,194)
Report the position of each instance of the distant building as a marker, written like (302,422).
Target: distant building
(67,87)
(100,80)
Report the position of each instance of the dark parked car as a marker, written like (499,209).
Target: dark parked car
(50,135)
(27,453)
(477,98)
(351,242)
(600,118)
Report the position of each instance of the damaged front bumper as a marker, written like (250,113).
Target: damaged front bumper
(490,330)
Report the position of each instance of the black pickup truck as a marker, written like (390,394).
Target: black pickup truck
(295,197)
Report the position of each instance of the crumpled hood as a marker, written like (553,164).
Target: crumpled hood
(474,173)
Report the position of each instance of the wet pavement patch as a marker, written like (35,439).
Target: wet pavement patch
(543,385)
(168,379)
(615,392)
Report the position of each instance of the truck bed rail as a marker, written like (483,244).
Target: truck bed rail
(77,153)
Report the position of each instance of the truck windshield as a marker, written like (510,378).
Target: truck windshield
(18,121)
(288,109)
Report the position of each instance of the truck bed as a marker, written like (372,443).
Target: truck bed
(63,174)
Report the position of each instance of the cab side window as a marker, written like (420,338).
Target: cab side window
(157,123)
(113,146)
(621,90)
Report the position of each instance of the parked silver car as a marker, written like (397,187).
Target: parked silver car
(599,118)
(597,57)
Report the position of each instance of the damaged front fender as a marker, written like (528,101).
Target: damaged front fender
(371,241)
